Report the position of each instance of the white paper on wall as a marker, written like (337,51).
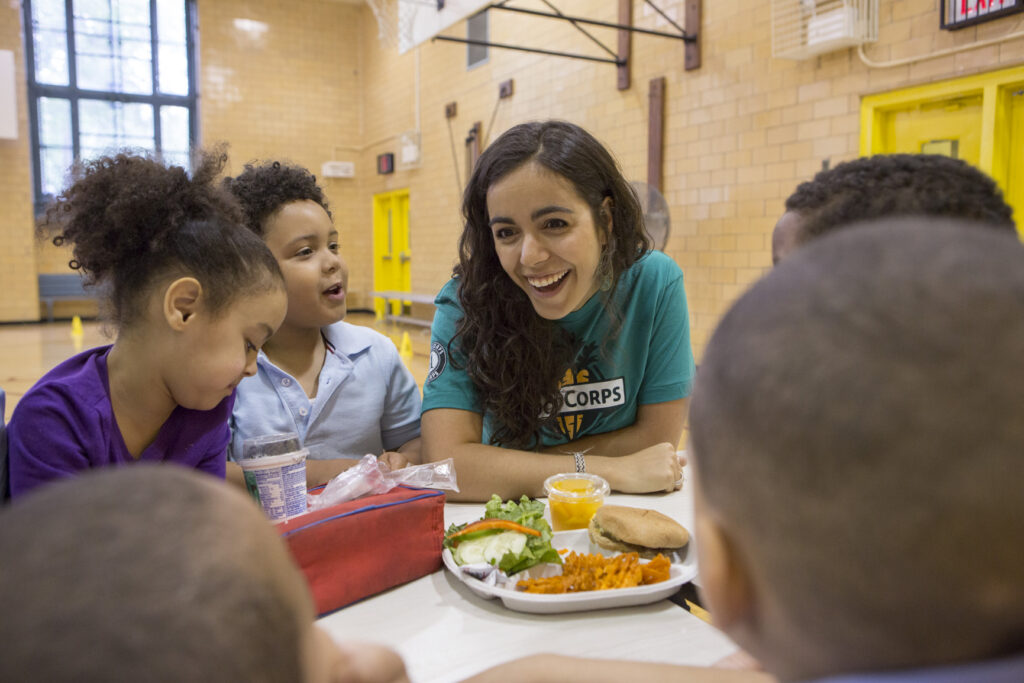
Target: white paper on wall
(8,102)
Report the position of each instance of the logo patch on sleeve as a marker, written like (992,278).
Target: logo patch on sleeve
(438,360)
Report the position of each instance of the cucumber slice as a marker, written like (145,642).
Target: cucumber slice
(490,548)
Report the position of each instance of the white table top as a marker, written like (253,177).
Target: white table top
(446,633)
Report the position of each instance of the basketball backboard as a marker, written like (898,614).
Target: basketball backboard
(421,20)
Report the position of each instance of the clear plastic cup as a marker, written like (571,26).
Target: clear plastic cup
(274,467)
(573,498)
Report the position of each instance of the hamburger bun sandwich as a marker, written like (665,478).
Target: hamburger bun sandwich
(624,529)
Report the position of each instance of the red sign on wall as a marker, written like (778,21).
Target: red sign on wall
(960,13)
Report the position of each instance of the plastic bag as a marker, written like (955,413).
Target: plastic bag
(431,475)
(371,477)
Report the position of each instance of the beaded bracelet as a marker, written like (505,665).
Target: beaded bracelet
(581,464)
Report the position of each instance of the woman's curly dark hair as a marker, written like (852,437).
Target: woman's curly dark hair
(514,357)
(134,223)
(263,188)
(887,185)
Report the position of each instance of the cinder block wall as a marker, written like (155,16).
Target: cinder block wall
(19,296)
(740,132)
(291,89)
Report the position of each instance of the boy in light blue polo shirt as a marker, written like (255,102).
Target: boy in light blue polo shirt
(342,388)
(362,382)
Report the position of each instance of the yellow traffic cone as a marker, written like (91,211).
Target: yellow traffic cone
(77,333)
(405,350)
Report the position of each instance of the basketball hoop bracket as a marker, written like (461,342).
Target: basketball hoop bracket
(689,34)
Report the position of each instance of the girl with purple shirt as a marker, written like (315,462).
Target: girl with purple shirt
(192,295)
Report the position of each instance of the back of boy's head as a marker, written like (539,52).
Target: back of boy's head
(135,223)
(887,185)
(263,188)
(146,573)
(858,429)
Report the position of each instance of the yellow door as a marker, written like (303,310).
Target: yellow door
(978,118)
(949,126)
(1014,186)
(391,252)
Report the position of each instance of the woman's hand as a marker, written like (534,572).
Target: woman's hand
(655,468)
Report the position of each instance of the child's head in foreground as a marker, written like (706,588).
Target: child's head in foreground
(859,451)
(886,185)
(284,205)
(155,573)
(176,269)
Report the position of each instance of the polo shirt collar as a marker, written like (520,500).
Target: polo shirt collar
(343,343)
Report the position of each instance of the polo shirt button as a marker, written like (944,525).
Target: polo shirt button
(286,382)
(303,411)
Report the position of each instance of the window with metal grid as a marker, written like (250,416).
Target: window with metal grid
(104,75)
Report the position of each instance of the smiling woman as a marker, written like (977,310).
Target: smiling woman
(561,331)
(545,239)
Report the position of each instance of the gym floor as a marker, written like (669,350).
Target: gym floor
(31,350)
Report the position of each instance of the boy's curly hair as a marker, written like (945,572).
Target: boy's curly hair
(886,185)
(263,188)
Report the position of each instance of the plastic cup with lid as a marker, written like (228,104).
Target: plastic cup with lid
(573,498)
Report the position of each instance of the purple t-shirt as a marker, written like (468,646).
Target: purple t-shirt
(65,424)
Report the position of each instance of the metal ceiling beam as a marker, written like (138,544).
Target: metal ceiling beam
(682,35)
(581,29)
(689,35)
(520,48)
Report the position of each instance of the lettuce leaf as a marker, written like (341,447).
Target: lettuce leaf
(527,512)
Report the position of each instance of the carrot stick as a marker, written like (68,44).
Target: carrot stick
(488,524)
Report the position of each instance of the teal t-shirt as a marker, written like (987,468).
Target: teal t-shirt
(649,361)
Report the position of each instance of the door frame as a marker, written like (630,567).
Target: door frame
(995,87)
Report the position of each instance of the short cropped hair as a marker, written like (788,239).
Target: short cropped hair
(857,426)
(887,185)
(146,573)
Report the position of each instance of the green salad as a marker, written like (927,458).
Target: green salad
(512,536)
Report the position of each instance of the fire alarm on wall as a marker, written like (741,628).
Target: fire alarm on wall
(385,163)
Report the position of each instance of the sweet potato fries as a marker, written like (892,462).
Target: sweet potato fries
(595,572)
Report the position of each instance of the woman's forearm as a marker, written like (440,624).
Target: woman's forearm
(655,423)
(614,443)
(486,470)
(483,470)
